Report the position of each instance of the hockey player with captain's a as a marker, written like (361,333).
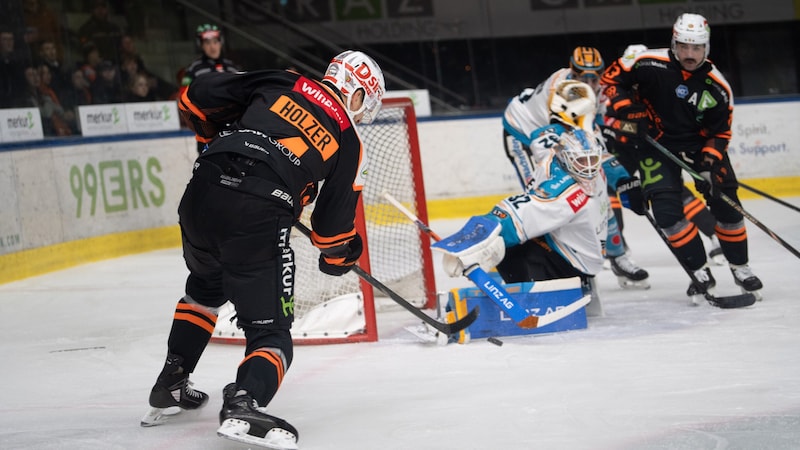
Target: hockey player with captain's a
(554,229)
(527,112)
(626,148)
(678,99)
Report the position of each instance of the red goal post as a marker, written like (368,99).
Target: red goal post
(343,309)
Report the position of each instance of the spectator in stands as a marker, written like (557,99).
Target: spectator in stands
(131,63)
(100,31)
(45,86)
(91,59)
(107,87)
(79,93)
(42,24)
(53,123)
(12,79)
(48,55)
(138,89)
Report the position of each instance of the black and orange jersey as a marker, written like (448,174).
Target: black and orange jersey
(299,127)
(689,111)
(205,65)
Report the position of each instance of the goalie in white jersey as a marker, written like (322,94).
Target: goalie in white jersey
(569,96)
(556,228)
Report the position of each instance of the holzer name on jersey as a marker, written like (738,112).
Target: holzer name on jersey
(306,123)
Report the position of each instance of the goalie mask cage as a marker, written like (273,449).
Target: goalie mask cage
(343,309)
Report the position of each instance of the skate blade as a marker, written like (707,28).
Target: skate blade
(236,430)
(627,283)
(158,416)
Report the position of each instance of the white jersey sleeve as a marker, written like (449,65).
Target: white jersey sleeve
(530,110)
(558,210)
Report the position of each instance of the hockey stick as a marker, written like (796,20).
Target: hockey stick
(446,328)
(722,196)
(726,302)
(491,288)
(765,195)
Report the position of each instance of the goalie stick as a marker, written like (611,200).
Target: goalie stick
(446,328)
(724,302)
(493,289)
(722,195)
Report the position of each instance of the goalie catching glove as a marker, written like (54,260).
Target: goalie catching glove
(478,243)
(339,260)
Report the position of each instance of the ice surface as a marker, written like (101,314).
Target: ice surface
(81,349)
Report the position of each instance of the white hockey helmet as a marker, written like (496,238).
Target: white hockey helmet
(581,153)
(691,29)
(352,70)
(574,104)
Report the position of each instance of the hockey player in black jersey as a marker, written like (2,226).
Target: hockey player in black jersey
(684,103)
(274,137)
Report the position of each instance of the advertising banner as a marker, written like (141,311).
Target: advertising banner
(102,120)
(152,116)
(20,124)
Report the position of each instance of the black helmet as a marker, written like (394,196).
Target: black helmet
(207,31)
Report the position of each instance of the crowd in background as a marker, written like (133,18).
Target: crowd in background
(109,70)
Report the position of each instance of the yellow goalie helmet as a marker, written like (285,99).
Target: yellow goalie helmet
(574,104)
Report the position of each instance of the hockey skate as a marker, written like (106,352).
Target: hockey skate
(172,393)
(744,278)
(242,420)
(715,254)
(705,284)
(629,275)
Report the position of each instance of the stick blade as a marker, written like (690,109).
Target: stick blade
(460,324)
(732,301)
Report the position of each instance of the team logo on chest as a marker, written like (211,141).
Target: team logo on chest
(681,91)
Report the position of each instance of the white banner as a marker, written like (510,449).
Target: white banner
(20,124)
(102,120)
(152,116)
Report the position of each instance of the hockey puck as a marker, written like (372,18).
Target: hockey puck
(495,341)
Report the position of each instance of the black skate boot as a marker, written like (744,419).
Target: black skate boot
(242,420)
(744,278)
(629,275)
(172,389)
(696,292)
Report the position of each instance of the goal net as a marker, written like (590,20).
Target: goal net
(342,309)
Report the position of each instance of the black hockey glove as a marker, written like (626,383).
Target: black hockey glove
(632,122)
(630,194)
(713,173)
(339,260)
